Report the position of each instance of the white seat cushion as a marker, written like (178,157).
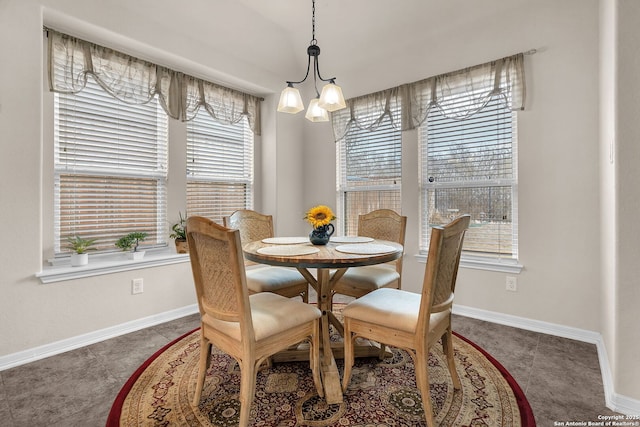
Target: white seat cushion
(393,308)
(369,277)
(271,279)
(271,314)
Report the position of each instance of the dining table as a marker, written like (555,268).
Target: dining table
(330,261)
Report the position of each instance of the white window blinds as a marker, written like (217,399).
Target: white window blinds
(219,167)
(110,168)
(469,166)
(369,173)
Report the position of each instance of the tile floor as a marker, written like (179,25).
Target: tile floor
(560,377)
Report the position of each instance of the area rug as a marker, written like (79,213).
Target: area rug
(381,393)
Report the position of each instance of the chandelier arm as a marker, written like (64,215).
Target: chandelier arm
(315,76)
(305,76)
(317,71)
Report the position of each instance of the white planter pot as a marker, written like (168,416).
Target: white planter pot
(78,260)
(138,255)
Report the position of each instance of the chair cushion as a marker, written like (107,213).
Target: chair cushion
(369,277)
(271,314)
(270,279)
(393,308)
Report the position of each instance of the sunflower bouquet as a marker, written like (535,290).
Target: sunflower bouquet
(319,216)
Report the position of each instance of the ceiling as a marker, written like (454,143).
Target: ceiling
(369,22)
(355,34)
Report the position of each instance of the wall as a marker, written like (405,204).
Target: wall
(607,177)
(558,157)
(578,156)
(627,158)
(33,314)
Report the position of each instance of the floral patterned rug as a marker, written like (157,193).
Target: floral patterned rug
(381,393)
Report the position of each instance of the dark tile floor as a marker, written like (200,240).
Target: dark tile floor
(560,377)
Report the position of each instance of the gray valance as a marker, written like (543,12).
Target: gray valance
(136,81)
(458,95)
(367,112)
(224,104)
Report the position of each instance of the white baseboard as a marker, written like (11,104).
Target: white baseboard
(614,401)
(47,350)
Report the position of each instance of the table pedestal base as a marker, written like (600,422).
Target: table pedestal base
(330,375)
(301,352)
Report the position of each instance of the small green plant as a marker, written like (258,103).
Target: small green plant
(179,229)
(80,245)
(131,240)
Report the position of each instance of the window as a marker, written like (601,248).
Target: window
(469,166)
(369,173)
(110,168)
(219,167)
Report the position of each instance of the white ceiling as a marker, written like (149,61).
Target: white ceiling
(355,34)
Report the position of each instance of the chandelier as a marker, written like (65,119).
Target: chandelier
(331,98)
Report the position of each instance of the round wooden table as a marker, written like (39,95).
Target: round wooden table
(331,261)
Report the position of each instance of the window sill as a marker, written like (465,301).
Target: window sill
(109,263)
(504,266)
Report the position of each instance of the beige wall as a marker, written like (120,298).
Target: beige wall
(558,155)
(568,272)
(627,201)
(33,314)
(608,209)
(580,262)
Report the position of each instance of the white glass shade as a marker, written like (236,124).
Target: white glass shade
(331,98)
(290,101)
(315,113)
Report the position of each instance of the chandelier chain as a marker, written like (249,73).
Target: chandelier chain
(313,22)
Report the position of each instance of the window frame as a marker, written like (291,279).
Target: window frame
(348,221)
(490,260)
(87,163)
(226,138)
(58,269)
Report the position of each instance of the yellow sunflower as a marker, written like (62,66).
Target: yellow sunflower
(319,215)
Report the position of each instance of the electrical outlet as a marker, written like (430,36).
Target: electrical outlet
(512,284)
(137,286)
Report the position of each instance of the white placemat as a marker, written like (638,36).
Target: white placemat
(351,239)
(286,240)
(288,250)
(365,248)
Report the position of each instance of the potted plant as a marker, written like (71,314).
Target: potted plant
(80,246)
(130,243)
(180,235)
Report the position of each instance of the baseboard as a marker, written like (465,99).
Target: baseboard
(614,401)
(47,350)
(626,405)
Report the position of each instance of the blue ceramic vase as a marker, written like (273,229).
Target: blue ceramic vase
(320,235)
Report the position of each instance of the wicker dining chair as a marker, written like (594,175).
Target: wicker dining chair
(250,328)
(412,321)
(383,224)
(265,278)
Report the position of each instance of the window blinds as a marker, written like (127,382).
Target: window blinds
(370,173)
(219,167)
(110,168)
(469,166)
